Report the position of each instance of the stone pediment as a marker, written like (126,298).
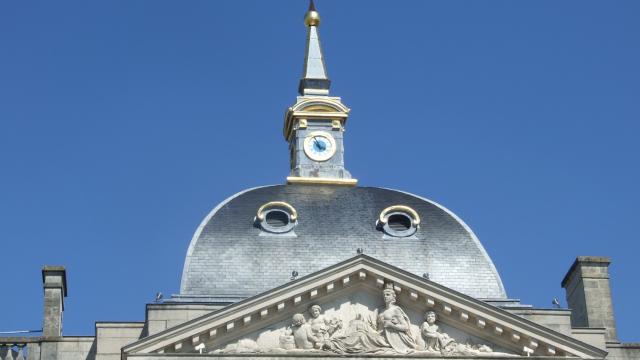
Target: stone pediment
(361,307)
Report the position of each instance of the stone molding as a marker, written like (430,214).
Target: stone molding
(463,312)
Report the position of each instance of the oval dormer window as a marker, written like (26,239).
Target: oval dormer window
(276,217)
(398,221)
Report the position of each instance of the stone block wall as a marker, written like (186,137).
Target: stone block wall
(589,294)
(112,336)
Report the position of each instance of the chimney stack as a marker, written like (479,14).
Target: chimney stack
(54,284)
(589,294)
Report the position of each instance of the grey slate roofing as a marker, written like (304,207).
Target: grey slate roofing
(228,258)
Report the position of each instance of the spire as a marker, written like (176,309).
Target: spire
(314,75)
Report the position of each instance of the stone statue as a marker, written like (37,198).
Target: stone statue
(322,327)
(302,334)
(390,333)
(437,341)
(434,340)
(382,331)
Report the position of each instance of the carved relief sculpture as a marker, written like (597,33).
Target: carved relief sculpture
(434,340)
(391,331)
(382,331)
(302,335)
(322,327)
(442,343)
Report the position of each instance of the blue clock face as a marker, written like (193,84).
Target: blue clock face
(319,146)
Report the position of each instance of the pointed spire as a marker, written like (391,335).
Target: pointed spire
(314,75)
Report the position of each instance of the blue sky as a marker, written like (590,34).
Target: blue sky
(122,123)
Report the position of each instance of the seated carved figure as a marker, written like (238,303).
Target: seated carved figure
(434,339)
(382,331)
(392,331)
(302,334)
(322,327)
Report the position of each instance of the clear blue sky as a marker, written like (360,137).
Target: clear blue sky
(122,123)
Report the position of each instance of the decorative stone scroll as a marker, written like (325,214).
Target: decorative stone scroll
(385,331)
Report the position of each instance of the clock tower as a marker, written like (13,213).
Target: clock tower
(315,125)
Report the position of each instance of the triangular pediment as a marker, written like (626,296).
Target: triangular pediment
(355,320)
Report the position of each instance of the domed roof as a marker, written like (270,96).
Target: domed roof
(230,257)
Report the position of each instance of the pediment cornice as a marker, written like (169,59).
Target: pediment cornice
(473,316)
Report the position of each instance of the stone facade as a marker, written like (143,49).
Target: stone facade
(466,327)
(376,273)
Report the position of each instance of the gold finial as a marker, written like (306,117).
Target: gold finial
(312,18)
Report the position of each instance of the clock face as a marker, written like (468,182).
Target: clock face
(319,146)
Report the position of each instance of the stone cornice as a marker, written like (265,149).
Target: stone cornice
(461,311)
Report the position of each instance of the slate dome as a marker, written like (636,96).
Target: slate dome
(231,257)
